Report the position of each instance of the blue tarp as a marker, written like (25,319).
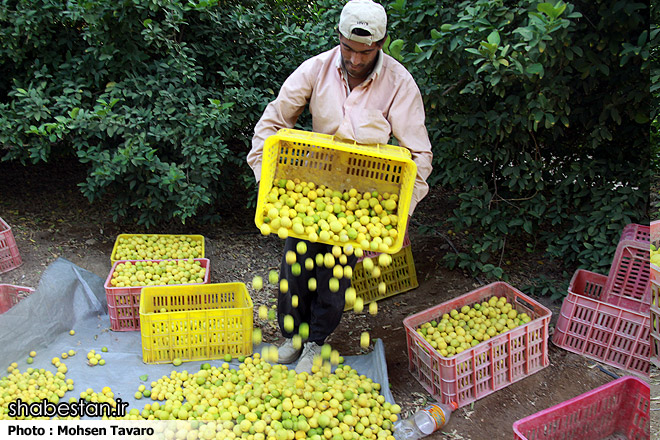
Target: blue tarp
(69,297)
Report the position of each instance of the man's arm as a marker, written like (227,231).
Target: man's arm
(283,112)
(406,117)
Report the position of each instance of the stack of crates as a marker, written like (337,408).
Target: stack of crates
(10,258)
(607,318)
(124,302)
(655,299)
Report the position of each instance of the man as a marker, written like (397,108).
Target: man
(354,92)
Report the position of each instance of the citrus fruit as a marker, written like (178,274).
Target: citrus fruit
(364,339)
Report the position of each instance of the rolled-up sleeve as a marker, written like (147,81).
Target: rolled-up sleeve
(283,112)
(407,118)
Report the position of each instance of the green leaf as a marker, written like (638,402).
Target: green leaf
(395,48)
(538,115)
(489,47)
(535,69)
(525,32)
(560,8)
(494,38)
(546,8)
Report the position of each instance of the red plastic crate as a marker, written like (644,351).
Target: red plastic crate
(10,295)
(10,258)
(628,281)
(655,240)
(598,330)
(655,299)
(124,302)
(618,409)
(488,366)
(655,322)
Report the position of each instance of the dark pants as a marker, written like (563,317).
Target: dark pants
(321,309)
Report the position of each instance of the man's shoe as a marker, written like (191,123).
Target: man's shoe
(287,353)
(306,361)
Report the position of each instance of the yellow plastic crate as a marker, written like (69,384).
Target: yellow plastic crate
(319,158)
(192,323)
(197,238)
(400,276)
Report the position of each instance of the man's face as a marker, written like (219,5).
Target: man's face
(358,58)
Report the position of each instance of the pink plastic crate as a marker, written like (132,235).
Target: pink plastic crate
(628,281)
(10,295)
(10,258)
(655,298)
(599,330)
(655,240)
(618,409)
(124,302)
(655,322)
(488,366)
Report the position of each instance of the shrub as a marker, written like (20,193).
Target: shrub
(537,116)
(159,98)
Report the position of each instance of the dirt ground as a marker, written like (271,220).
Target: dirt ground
(50,219)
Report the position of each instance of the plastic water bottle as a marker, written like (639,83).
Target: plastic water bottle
(424,422)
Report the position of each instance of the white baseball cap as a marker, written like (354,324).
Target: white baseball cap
(366,15)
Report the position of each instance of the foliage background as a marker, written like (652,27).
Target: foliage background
(655,111)
(538,112)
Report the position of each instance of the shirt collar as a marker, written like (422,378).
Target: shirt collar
(374,73)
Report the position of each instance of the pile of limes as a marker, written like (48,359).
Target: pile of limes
(158,247)
(94,358)
(460,330)
(33,385)
(106,395)
(259,400)
(368,219)
(157,273)
(256,401)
